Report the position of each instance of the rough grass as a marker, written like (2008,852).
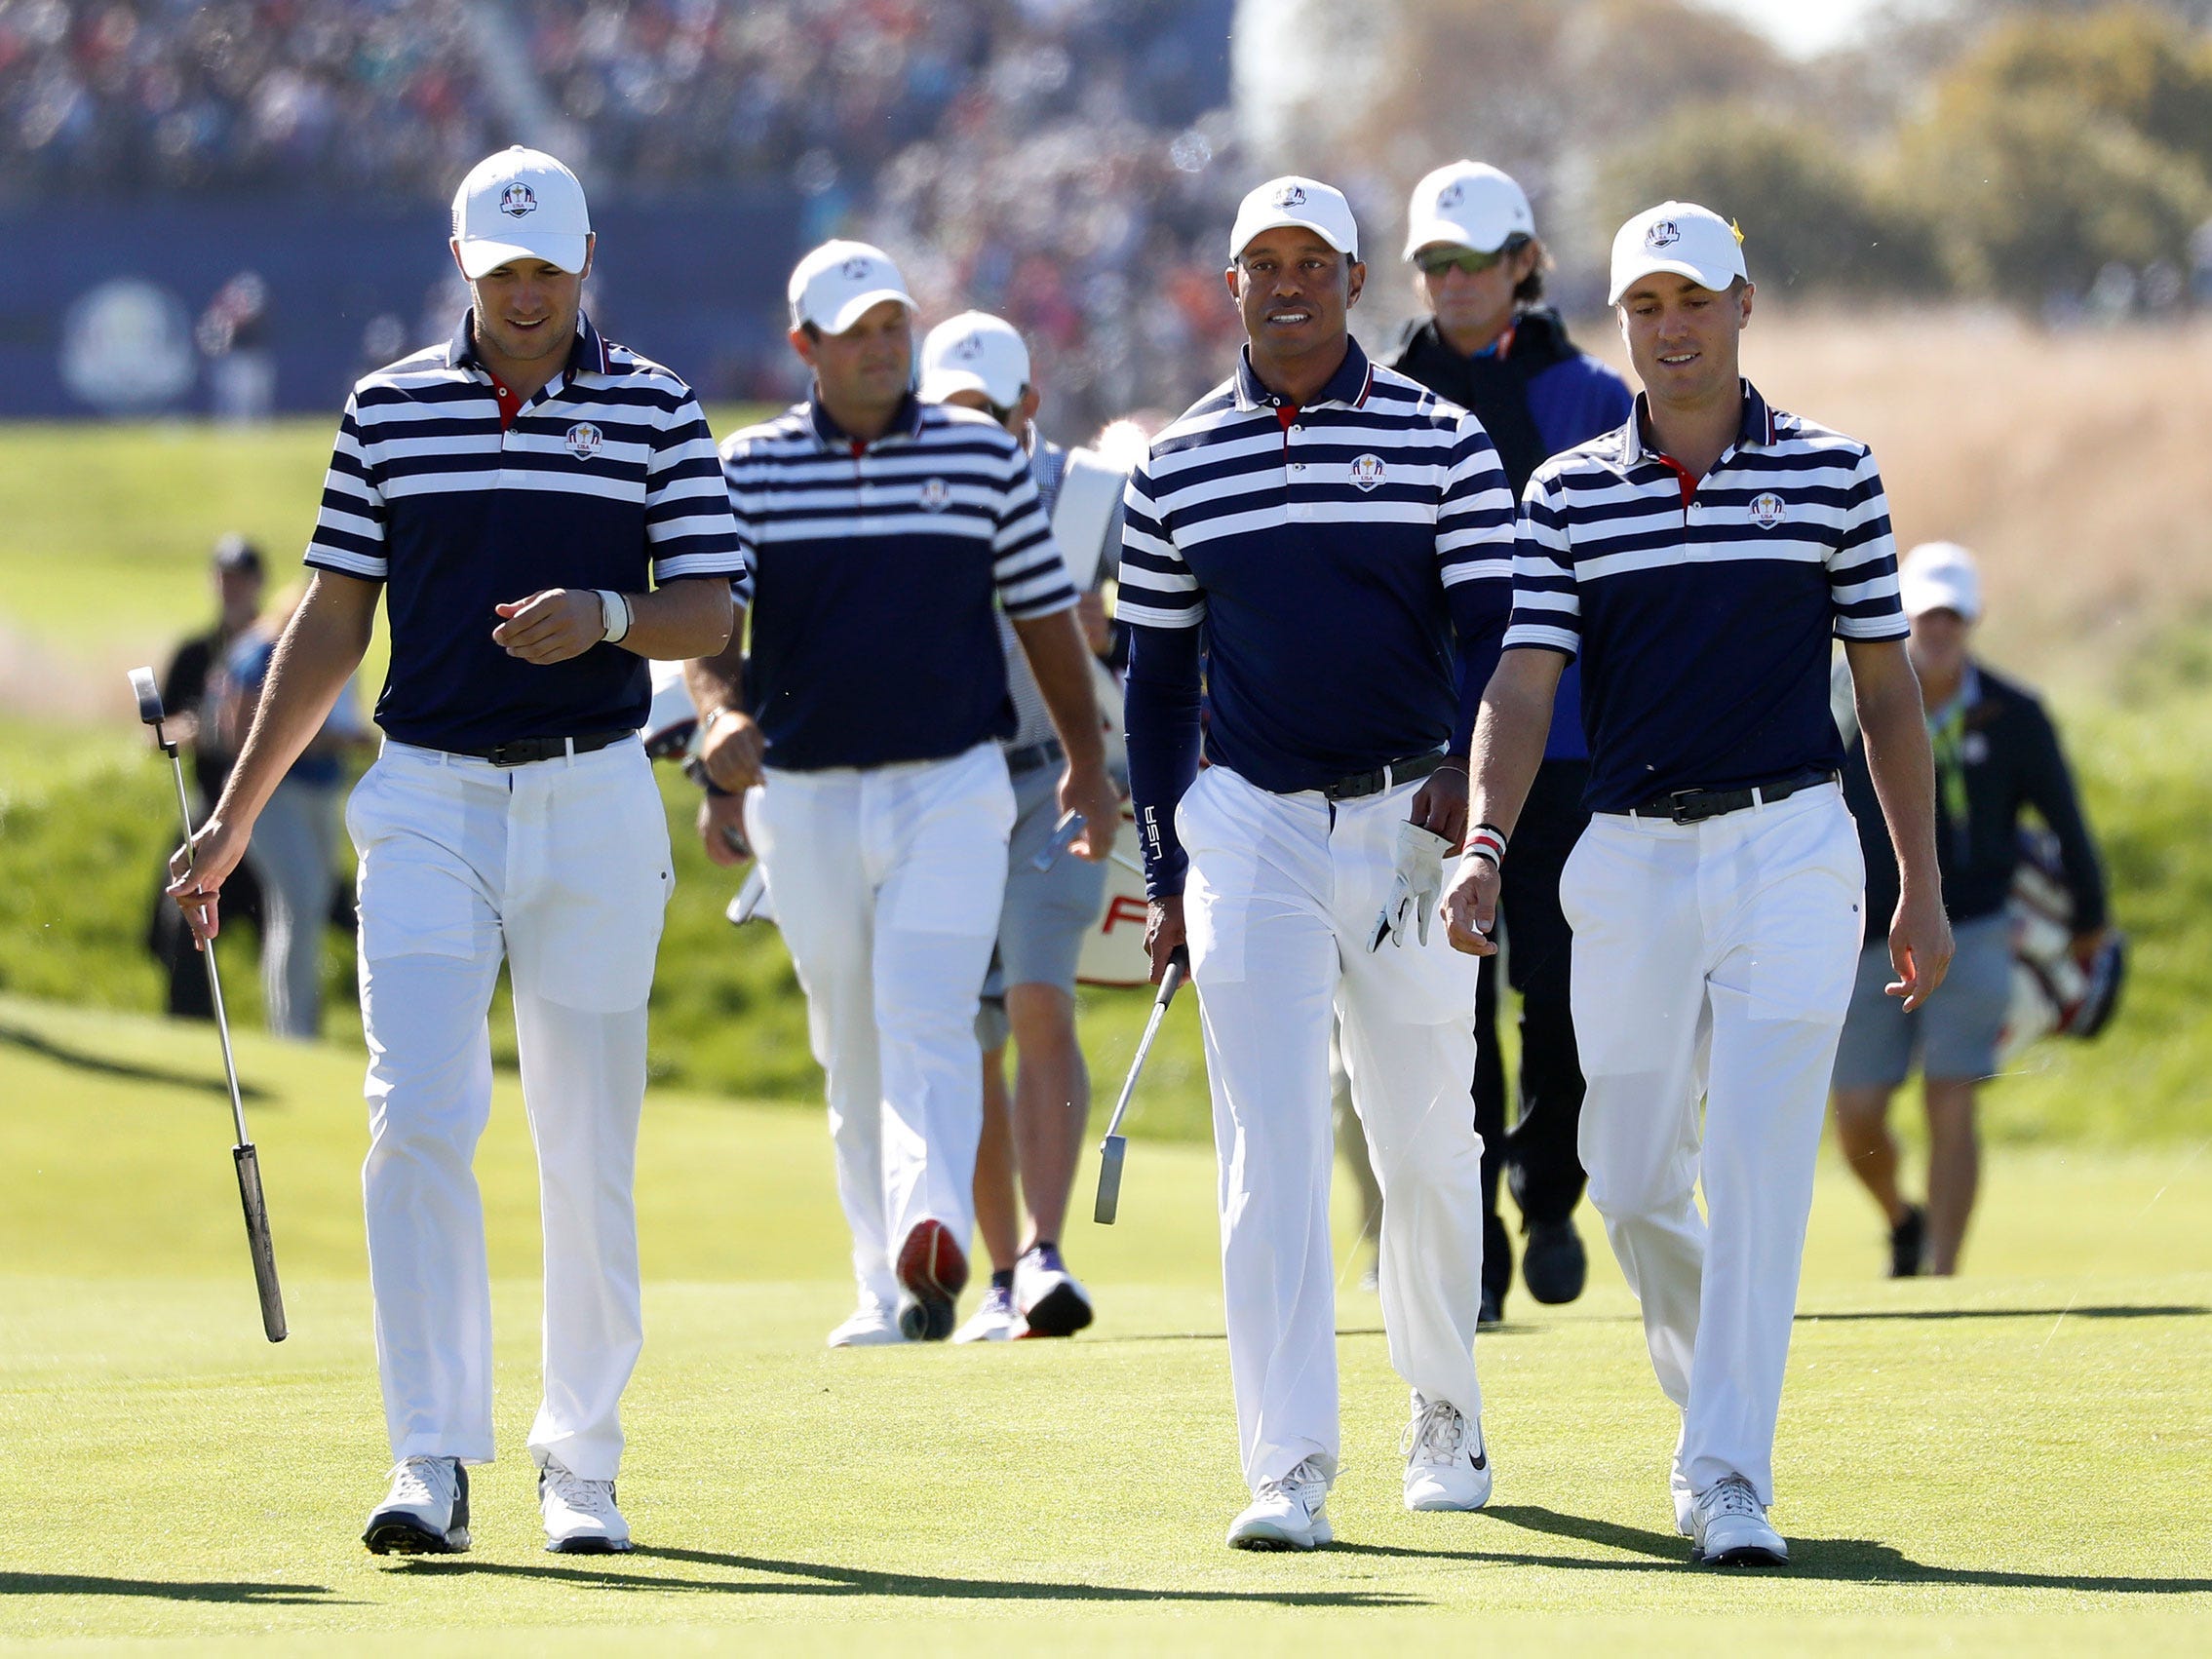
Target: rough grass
(2009,1463)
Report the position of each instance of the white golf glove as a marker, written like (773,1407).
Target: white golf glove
(1416,889)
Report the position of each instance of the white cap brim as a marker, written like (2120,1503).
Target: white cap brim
(859,307)
(1718,282)
(1448,234)
(1246,235)
(940,383)
(481,254)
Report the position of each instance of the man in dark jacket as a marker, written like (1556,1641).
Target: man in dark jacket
(1485,345)
(1995,753)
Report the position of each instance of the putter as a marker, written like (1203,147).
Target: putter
(243,1154)
(1116,1147)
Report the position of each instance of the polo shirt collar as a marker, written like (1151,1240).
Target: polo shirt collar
(587,353)
(906,423)
(1756,427)
(1349,385)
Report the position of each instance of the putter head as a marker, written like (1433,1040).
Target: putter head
(1112,1151)
(148,694)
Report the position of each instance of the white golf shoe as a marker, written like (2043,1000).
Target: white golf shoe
(580,1516)
(1049,1299)
(426,1512)
(993,1321)
(1287,1514)
(1728,1527)
(1447,1465)
(868,1327)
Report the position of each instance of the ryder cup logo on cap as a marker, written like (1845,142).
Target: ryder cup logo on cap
(1305,203)
(975,352)
(520,203)
(1680,238)
(1466,204)
(839,283)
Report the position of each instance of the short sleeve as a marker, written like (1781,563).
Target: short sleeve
(1156,587)
(1862,566)
(349,525)
(1547,607)
(688,524)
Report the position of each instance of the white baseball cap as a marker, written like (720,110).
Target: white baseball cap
(837,283)
(1467,204)
(1940,576)
(974,352)
(520,203)
(1294,201)
(1681,237)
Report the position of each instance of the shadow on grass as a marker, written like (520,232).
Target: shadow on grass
(1839,1560)
(82,1060)
(1527,1327)
(236,1593)
(2177,1310)
(815,1578)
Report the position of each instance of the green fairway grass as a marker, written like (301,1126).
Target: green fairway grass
(2014,1461)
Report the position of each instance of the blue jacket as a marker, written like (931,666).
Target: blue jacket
(1537,395)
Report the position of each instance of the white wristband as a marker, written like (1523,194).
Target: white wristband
(614,616)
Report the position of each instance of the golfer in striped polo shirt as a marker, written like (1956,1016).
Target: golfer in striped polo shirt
(883,534)
(1340,537)
(1699,562)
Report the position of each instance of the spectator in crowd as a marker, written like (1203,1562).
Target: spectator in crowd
(1488,344)
(294,851)
(237,576)
(1996,753)
(980,362)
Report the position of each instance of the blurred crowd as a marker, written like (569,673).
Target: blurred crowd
(375,95)
(957,132)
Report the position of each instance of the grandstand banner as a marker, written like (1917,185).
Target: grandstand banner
(243,306)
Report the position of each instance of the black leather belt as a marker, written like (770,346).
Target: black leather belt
(522,750)
(1695,806)
(1406,771)
(1031,756)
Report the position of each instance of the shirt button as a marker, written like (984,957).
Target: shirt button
(1297,466)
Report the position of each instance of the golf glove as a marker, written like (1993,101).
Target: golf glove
(1415,889)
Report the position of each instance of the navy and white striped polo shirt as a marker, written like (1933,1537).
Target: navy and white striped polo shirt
(606,476)
(1330,551)
(1703,612)
(875,568)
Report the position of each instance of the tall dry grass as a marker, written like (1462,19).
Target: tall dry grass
(2077,465)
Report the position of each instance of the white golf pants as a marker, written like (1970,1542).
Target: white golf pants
(1713,960)
(887,883)
(1280,907)
(562,868)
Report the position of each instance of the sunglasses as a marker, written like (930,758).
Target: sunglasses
(1435,261)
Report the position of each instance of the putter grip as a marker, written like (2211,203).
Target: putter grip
(257,1239)
(1171,980)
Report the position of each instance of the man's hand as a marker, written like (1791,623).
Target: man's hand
(1163,932)
(1441,805)
(1090,790)
(1920,947)
(196,874)
(552,626)
(1470,907)
(731,749)
(721,828)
